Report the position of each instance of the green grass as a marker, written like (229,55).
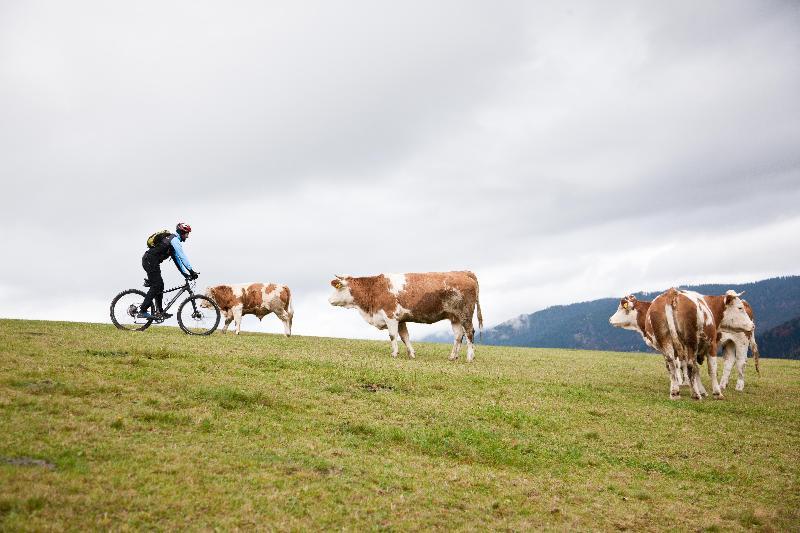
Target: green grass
(101,428)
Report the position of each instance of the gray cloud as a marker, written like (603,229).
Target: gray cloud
(563,153)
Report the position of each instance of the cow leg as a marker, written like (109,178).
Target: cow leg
(684,371)
(741,360)
(681,380)
(393,327)
(684,374)
(237,318)
(694,379)
(228,320)
(403,330)
(673,368)
(287,323)
(712,373)
(729,355)
(458,332)
(470,335)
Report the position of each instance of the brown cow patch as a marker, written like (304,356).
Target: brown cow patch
(223,296)
(372,294)
(434,296)
(252,297)
(285,297)
(641,313)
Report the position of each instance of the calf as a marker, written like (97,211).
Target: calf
(259,299)
(388,301)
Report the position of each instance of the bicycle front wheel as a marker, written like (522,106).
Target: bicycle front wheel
(198,315)
(124,308)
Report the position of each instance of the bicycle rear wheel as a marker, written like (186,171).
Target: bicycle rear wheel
(124,308)
(198,315)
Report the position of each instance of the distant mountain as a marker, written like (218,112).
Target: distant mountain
(781,341)
(585,325)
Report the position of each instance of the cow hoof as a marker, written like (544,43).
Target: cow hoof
(696,397)
(452,358)
(412,355)
(740,386)
(703,394)
(675,395)
(718,396)
(723,385)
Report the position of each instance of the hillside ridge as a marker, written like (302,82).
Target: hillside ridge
(584,325)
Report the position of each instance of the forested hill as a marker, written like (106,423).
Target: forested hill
(775,302)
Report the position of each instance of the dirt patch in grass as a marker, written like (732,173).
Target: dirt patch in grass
(27,461)
(156,353)
(375,387)
(107,353)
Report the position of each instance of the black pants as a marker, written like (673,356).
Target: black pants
(156,291)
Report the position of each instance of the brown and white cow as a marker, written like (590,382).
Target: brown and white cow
(389,301)
(734,349)
(686,323)
(683,325)
(631,314)
(259,299)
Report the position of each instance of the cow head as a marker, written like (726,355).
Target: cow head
(341,296)
(626,315)
(735,317)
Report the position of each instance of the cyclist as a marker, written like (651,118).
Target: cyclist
(168,246)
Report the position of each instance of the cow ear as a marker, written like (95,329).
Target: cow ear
(729,299)
(338,283)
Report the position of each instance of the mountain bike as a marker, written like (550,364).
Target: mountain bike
(197,314)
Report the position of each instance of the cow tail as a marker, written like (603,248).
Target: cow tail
(669,311)
(754,347)
(480,315)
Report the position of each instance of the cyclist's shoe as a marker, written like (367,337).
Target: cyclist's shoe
(145,315)
(161,315)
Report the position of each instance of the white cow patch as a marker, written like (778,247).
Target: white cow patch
(397,282)
(704,315)
(376,319)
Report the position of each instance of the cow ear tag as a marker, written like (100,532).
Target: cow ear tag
(625,305)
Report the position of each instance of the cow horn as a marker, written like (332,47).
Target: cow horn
(339,276)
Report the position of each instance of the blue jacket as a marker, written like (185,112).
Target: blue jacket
(181,261)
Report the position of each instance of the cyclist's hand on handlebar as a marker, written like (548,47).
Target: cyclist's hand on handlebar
(193,275)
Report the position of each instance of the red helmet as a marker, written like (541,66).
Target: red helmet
(183,227)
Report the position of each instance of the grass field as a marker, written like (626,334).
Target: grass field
(101,428)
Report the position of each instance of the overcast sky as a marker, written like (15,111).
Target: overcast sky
(563,151)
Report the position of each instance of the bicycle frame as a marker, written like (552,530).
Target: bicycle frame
(186,287)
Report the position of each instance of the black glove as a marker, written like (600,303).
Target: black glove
(193,275)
